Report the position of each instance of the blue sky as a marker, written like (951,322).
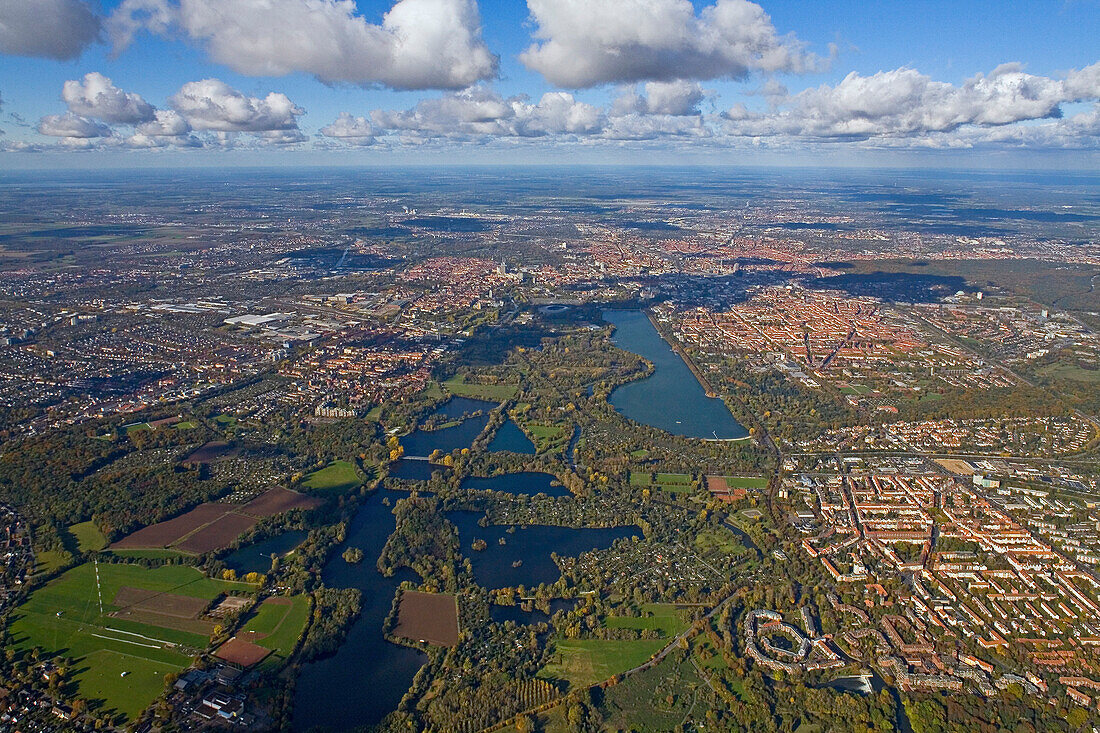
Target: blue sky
(846,81)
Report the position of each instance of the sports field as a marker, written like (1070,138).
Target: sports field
(673,483)
(147,626)
(337,477)
(277,624)
(746,482)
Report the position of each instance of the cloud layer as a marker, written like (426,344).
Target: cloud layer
(55,29)
(899,108)
(219,114)
(420,44)
(906,103)
(585,43)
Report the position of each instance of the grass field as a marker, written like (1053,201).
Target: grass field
(547,437)
(156,554)
(658,699)
(746,482)
(225,419)
(63,619)
(276,624)
(639,478)
(718,541)
(337,477)
(88,537)
(666,618)
(584,662)
(50,560)
(673,483)
(1070,371)
(186,425)
(459,387)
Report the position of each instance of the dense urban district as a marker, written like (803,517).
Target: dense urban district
(572,450)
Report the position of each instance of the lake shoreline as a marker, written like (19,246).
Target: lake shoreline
(673,396)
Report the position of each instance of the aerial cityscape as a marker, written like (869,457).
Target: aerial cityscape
(562,400)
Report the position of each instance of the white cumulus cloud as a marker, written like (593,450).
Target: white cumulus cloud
(585,43)
(661,98)
(478,112)
(165,123)
(96,96)
(211,104)
(72,126)
(56,29)
(420,44)
(354,130)
(905,102)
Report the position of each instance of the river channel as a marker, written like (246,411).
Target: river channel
(367,677)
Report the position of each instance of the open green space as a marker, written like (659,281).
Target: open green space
(129,683)
(1069,371)
(673,483)
(432,392)
(658,699)
(138,427)
(707,655)
(336,477)
(547,437)
(746,482)
(186,425)
(277,625)
(50,561)
(641,478)
(71,617)
(88,537)
(225,419)
(666,618)
(459,387)
(584,662)
(718,541)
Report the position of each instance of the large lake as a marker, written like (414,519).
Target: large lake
(671,398)
(256,558)
(511,438)
(529,546)
(422,442)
